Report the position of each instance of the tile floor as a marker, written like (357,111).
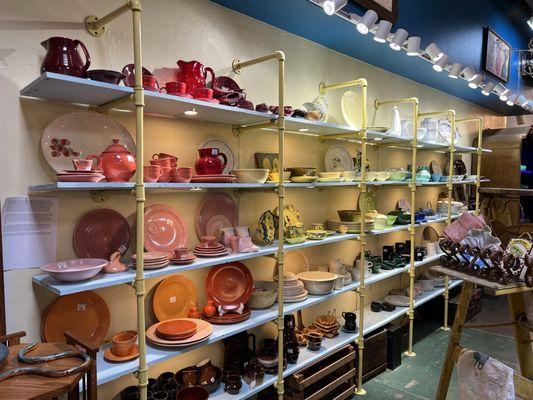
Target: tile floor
(417,378)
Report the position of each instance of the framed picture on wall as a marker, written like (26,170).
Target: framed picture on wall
(497,55)
(386,9)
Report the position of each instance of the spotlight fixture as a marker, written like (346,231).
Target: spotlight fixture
(473,84)
(330,7)
(501,91)
(192,112)
(413,46)
(455,70)
(398,39)
(511,100)
(368,20)
(522,100)
(382,31)
(439,65)
(488,88)
(469,73)
(434,52)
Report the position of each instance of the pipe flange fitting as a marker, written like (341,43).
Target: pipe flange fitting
(91,27)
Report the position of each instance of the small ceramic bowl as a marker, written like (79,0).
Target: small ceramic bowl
(329,174)
(302,171)
(436,177)
(349,215)
(251,175)
(397,175)
(382,176)
(391,219)
(318,282)
(263,296)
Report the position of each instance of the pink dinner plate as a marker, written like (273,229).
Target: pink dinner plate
(78,269)
(213,179)
(101,232)
(216,211)
(229,284)
(164,230)
(79,134)
(80,178)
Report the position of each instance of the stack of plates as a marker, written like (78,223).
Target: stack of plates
(187,259)
(176,329)
(426,284)
(80,176)
(217,250)
(152,259)
(353,227)
(203,330)
(230,318)
(328,330)
(214,178)
(293,289)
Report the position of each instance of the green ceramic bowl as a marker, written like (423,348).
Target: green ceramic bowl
(349,215)
(391,219)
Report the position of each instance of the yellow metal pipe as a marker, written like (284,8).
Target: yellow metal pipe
(140,198)
(350,135)
(103,21)
(115,103)
(323,88)
(414,147)
(280,122)
(479,152)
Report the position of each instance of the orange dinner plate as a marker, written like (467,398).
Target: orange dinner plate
(173,297)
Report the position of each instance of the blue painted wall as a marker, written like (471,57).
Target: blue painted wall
(455,25)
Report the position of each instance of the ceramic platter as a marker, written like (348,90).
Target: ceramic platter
(100,233)
(230,284)
(338,159)
(79,134)
(203,331)
(85,314)
(351,109)
(224,148)
(398,300)
(164,230)
(216,211)
(173,297)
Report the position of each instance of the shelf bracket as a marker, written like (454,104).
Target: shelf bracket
(103,108)
(96,26)
(100,196)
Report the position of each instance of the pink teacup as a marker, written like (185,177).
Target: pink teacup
(165,174)
(209,241)
(181,252)
(184,174)
(152,173)
(82,164)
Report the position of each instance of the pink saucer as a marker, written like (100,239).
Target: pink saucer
(215,101)
(75,171)
(80,177)
(185,260)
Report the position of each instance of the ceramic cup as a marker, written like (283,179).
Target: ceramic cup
(181,252)
(317,226)
(339,282)
(161,161)
(234,244)
(206,372)
(184,174)
(209,241)
(203,93)
(380,222)
(165,174)
(174,88)
(81,164)
(150,83)
(349,321)
(335,266)
(123,343)
(189,377)
(242,231)
(152,173)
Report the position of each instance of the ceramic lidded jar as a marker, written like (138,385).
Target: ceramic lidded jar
(117,162)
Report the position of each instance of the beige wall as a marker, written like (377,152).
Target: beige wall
(172,30)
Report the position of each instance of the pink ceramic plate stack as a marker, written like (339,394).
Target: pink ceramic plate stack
(80,176)
(210,248)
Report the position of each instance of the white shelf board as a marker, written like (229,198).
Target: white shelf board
(106,280)
(110,371)
(372,322)
(171,187)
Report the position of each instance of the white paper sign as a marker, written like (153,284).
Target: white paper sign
(29,232)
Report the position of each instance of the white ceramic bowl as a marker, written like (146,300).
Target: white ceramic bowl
(318,282)
(264,295)
(329,174)
(251,175)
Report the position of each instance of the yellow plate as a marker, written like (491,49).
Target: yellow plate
(173,297)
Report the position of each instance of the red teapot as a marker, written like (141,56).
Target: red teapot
(117,163)
(209,162)
(62,57)
(194,74)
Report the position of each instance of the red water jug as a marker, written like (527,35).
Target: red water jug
(62,56)
(209,162)
(194,74)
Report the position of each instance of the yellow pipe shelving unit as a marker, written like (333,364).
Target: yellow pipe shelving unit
(96,26)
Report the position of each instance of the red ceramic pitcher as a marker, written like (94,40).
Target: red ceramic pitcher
(62,56)
(209,162)
(194,74)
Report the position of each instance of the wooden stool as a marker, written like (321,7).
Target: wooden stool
(524,345)
(25,387)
